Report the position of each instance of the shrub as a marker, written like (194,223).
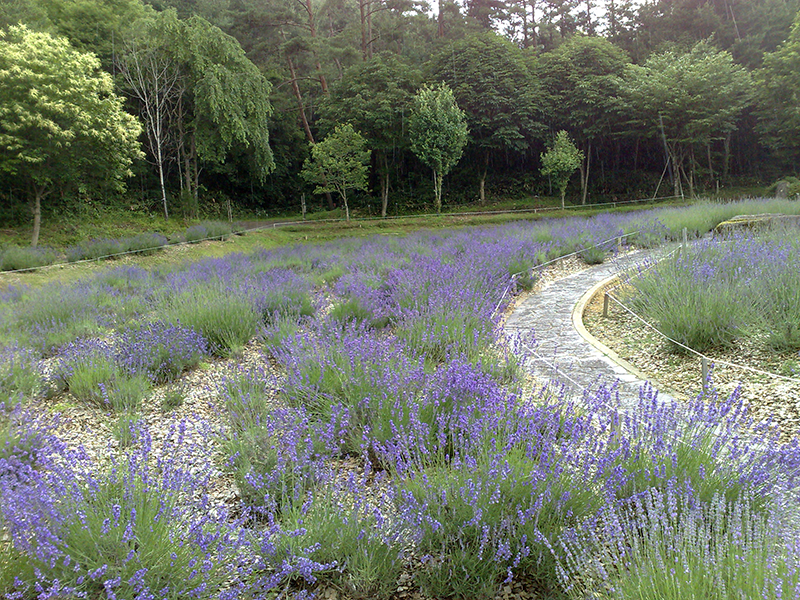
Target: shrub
(144,243)
(160,350)
(15,258)
(20,376)
(131,531)
(92,375)
(92,249)
(227,321)
(669,545)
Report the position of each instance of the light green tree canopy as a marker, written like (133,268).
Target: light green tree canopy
(561,161)
(338,163)
(438,131)
(60,122)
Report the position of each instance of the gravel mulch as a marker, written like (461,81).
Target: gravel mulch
(680,374)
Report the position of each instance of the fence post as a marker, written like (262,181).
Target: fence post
(704,370)
(605,304)
(685,237)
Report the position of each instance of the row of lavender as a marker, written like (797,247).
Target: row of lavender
(402,449)
(15,258)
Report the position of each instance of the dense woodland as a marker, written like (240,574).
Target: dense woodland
(230,96)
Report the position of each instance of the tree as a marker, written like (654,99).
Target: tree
(153,77)
(500,97)
(60,122)
(689,100)
(194,78)
(338,163)
(561,161)
(778,92)
(438,130)
(227,102)
(582,80)
(374,96)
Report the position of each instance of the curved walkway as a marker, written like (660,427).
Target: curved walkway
(560,353)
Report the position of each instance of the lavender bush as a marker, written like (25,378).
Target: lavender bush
(383,432)
(669,544)
(132,532)
(719,291)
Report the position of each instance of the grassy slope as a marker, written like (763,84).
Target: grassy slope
(270,234)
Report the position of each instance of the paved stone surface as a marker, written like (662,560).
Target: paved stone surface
(560,354)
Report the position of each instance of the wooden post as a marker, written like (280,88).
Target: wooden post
(685,237)
(303,205)
(704,370)
(605,304)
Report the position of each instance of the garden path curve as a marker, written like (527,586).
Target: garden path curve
(562,354)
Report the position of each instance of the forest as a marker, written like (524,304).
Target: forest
(184,107)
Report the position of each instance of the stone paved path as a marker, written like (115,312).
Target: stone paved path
(561,354)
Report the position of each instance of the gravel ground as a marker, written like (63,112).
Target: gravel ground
(680,374)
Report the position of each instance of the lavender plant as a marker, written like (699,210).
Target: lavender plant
(133,531)
(669,544)
(15,258)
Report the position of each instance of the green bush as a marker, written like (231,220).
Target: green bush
(15,258)
(227,321)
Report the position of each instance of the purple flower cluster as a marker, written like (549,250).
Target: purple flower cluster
(395,432)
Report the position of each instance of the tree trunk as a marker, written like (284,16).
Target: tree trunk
(384,185)
(163,185)
(38,193)
(301,110)
(585,173)
(563,192)
(437,188)
(483,177)
(346,208)
(440,20)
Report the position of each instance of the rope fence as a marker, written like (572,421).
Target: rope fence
(705,361)
(512,283)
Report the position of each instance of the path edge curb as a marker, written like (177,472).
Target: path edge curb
(577,323)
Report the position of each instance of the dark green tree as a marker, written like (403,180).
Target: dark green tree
(778,106)
(581,81)
(494,87)
(375,96)
(689,100)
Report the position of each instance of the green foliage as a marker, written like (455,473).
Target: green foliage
(438,131)
(492,84)
(338,163)
(174,397)
(15,258)
(98,380)
(561,161)
(20,376)
(348,533)
(228,322)
(778,86)
(693,98)
(124,429)
(73,132)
